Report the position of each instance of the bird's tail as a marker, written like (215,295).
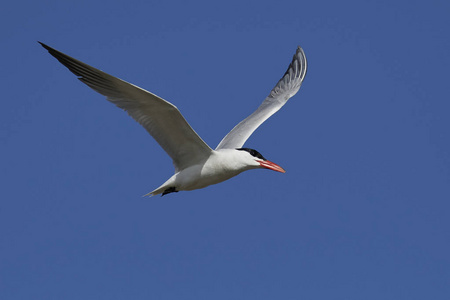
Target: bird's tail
(163,189)
(153,193)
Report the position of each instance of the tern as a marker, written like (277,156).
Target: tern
(196,164)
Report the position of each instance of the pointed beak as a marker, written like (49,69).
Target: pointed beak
(270,165)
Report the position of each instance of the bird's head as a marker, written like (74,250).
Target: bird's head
(255,160)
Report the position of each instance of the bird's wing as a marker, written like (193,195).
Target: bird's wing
(160,118)
(287,87)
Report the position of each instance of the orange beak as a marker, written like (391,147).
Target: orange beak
(270,165)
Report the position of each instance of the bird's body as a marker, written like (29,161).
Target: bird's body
(221,165)
(196,164)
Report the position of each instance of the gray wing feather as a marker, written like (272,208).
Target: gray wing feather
(160,118)
(287,87)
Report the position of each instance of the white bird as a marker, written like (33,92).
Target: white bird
(196,164)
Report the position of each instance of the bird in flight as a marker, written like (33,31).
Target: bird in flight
(196,164)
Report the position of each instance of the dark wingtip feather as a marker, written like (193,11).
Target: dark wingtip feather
(45,46)
(55,53)
(94,78)
(298,63)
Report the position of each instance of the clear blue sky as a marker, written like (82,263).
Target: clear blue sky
(362,212)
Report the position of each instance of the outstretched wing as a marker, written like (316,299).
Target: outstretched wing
(287,87)
(160,118)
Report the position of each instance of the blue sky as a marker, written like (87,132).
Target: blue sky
(362,212)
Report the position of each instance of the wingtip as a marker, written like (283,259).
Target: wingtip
(45,46)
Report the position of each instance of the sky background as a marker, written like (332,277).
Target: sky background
(361,213)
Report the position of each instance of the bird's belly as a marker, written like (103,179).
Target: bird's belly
(198,177)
